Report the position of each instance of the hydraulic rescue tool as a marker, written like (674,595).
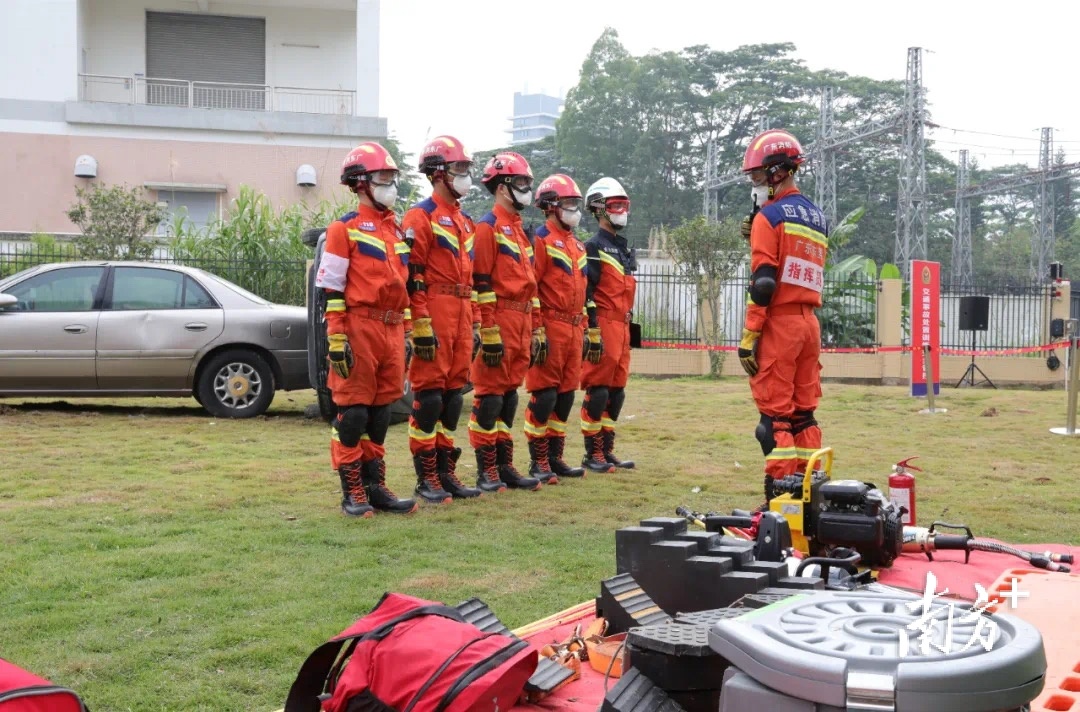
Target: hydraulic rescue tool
(928,540)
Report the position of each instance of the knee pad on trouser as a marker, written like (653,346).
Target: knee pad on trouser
(616,396)
(764,434)
(452,403)
(509,408)
(564,403)
(486,410)
(427,405)
(379,423)
(351,424)
(541,404)
(801,420)
(596,401)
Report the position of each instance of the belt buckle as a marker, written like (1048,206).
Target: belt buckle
(627,317)
(387,317)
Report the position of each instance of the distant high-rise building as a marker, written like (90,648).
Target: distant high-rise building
(534,117)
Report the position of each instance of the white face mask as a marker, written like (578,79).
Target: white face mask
(570,218)
(760,195)
(385,195)
(523,196)
(618,220)
(462,185)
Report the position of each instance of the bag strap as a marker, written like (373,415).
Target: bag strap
(311,680)
(441,669)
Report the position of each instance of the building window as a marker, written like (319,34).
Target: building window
(201,208)
(205,61)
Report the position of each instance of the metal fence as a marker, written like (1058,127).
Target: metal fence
(281,282)
(1018,311)
(157,91)
(666,307)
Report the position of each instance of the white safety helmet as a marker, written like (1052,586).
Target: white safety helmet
(599,192)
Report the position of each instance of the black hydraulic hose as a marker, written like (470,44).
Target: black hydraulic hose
(1039,561)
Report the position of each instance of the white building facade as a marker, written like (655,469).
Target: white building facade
(189,99)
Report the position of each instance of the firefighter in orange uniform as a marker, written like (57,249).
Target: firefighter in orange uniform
(511,335)
(781,340)
(559,263)
(364,270)
(444,318)
(609,301)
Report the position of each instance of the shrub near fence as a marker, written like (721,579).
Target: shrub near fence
(279,281)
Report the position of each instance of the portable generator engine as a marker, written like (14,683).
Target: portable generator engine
(826,514)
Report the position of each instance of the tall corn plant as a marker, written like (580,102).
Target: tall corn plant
(254,245)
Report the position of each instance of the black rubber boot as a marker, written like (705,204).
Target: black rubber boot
(770,492)
(508,473)
(594,455)
(558,466)
(447,466)
(354,501)
(487,469)
(609,445)
(540,465)
(382,497)
(428,486)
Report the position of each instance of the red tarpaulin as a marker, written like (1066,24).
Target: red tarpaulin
(909,571)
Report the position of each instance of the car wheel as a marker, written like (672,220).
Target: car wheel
(236,384)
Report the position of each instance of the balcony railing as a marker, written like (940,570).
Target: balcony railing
(156,91)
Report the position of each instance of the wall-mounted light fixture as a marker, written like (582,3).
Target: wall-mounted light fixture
(305,175)
(85,167)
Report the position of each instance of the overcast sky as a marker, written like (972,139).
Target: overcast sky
(987,71)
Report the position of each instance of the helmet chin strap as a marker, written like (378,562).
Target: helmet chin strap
(518,205)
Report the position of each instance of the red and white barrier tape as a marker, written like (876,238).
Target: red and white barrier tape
(874,349)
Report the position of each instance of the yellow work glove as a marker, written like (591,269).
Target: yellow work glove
(748,351)
(340,354)
(594,345)
(491,346)
(539,348)
(424,342)
(744,228)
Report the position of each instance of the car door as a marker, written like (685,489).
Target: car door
(153,323)
(47,337)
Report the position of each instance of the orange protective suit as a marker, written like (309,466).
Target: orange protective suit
(506,294)
(559,263)
(610,301)
(364,270)
(789,235)
(441,266)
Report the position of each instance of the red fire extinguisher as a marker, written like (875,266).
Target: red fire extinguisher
(902,488)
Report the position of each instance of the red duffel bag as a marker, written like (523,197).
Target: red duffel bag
(21,691)
(412,655)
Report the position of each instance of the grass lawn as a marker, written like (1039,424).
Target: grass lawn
(155,558)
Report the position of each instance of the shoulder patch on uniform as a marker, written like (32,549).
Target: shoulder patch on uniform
(579,245)
(348,216)
(542,231)
(488,219)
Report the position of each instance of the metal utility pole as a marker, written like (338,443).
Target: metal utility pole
(823,159)
(1042,241)
(961,247)
(709,209)
(912,194)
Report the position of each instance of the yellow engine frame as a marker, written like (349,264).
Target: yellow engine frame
(794,509)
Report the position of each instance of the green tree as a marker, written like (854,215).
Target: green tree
(116,222)
(708,255)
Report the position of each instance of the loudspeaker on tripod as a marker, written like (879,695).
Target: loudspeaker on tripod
(974,313)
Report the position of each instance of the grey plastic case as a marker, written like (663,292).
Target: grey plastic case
(845,650)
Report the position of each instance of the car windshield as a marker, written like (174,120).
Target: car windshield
(239,290)
(6,281)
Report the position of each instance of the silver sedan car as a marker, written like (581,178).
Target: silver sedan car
(108,329)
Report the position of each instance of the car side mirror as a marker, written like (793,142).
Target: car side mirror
(7,300)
